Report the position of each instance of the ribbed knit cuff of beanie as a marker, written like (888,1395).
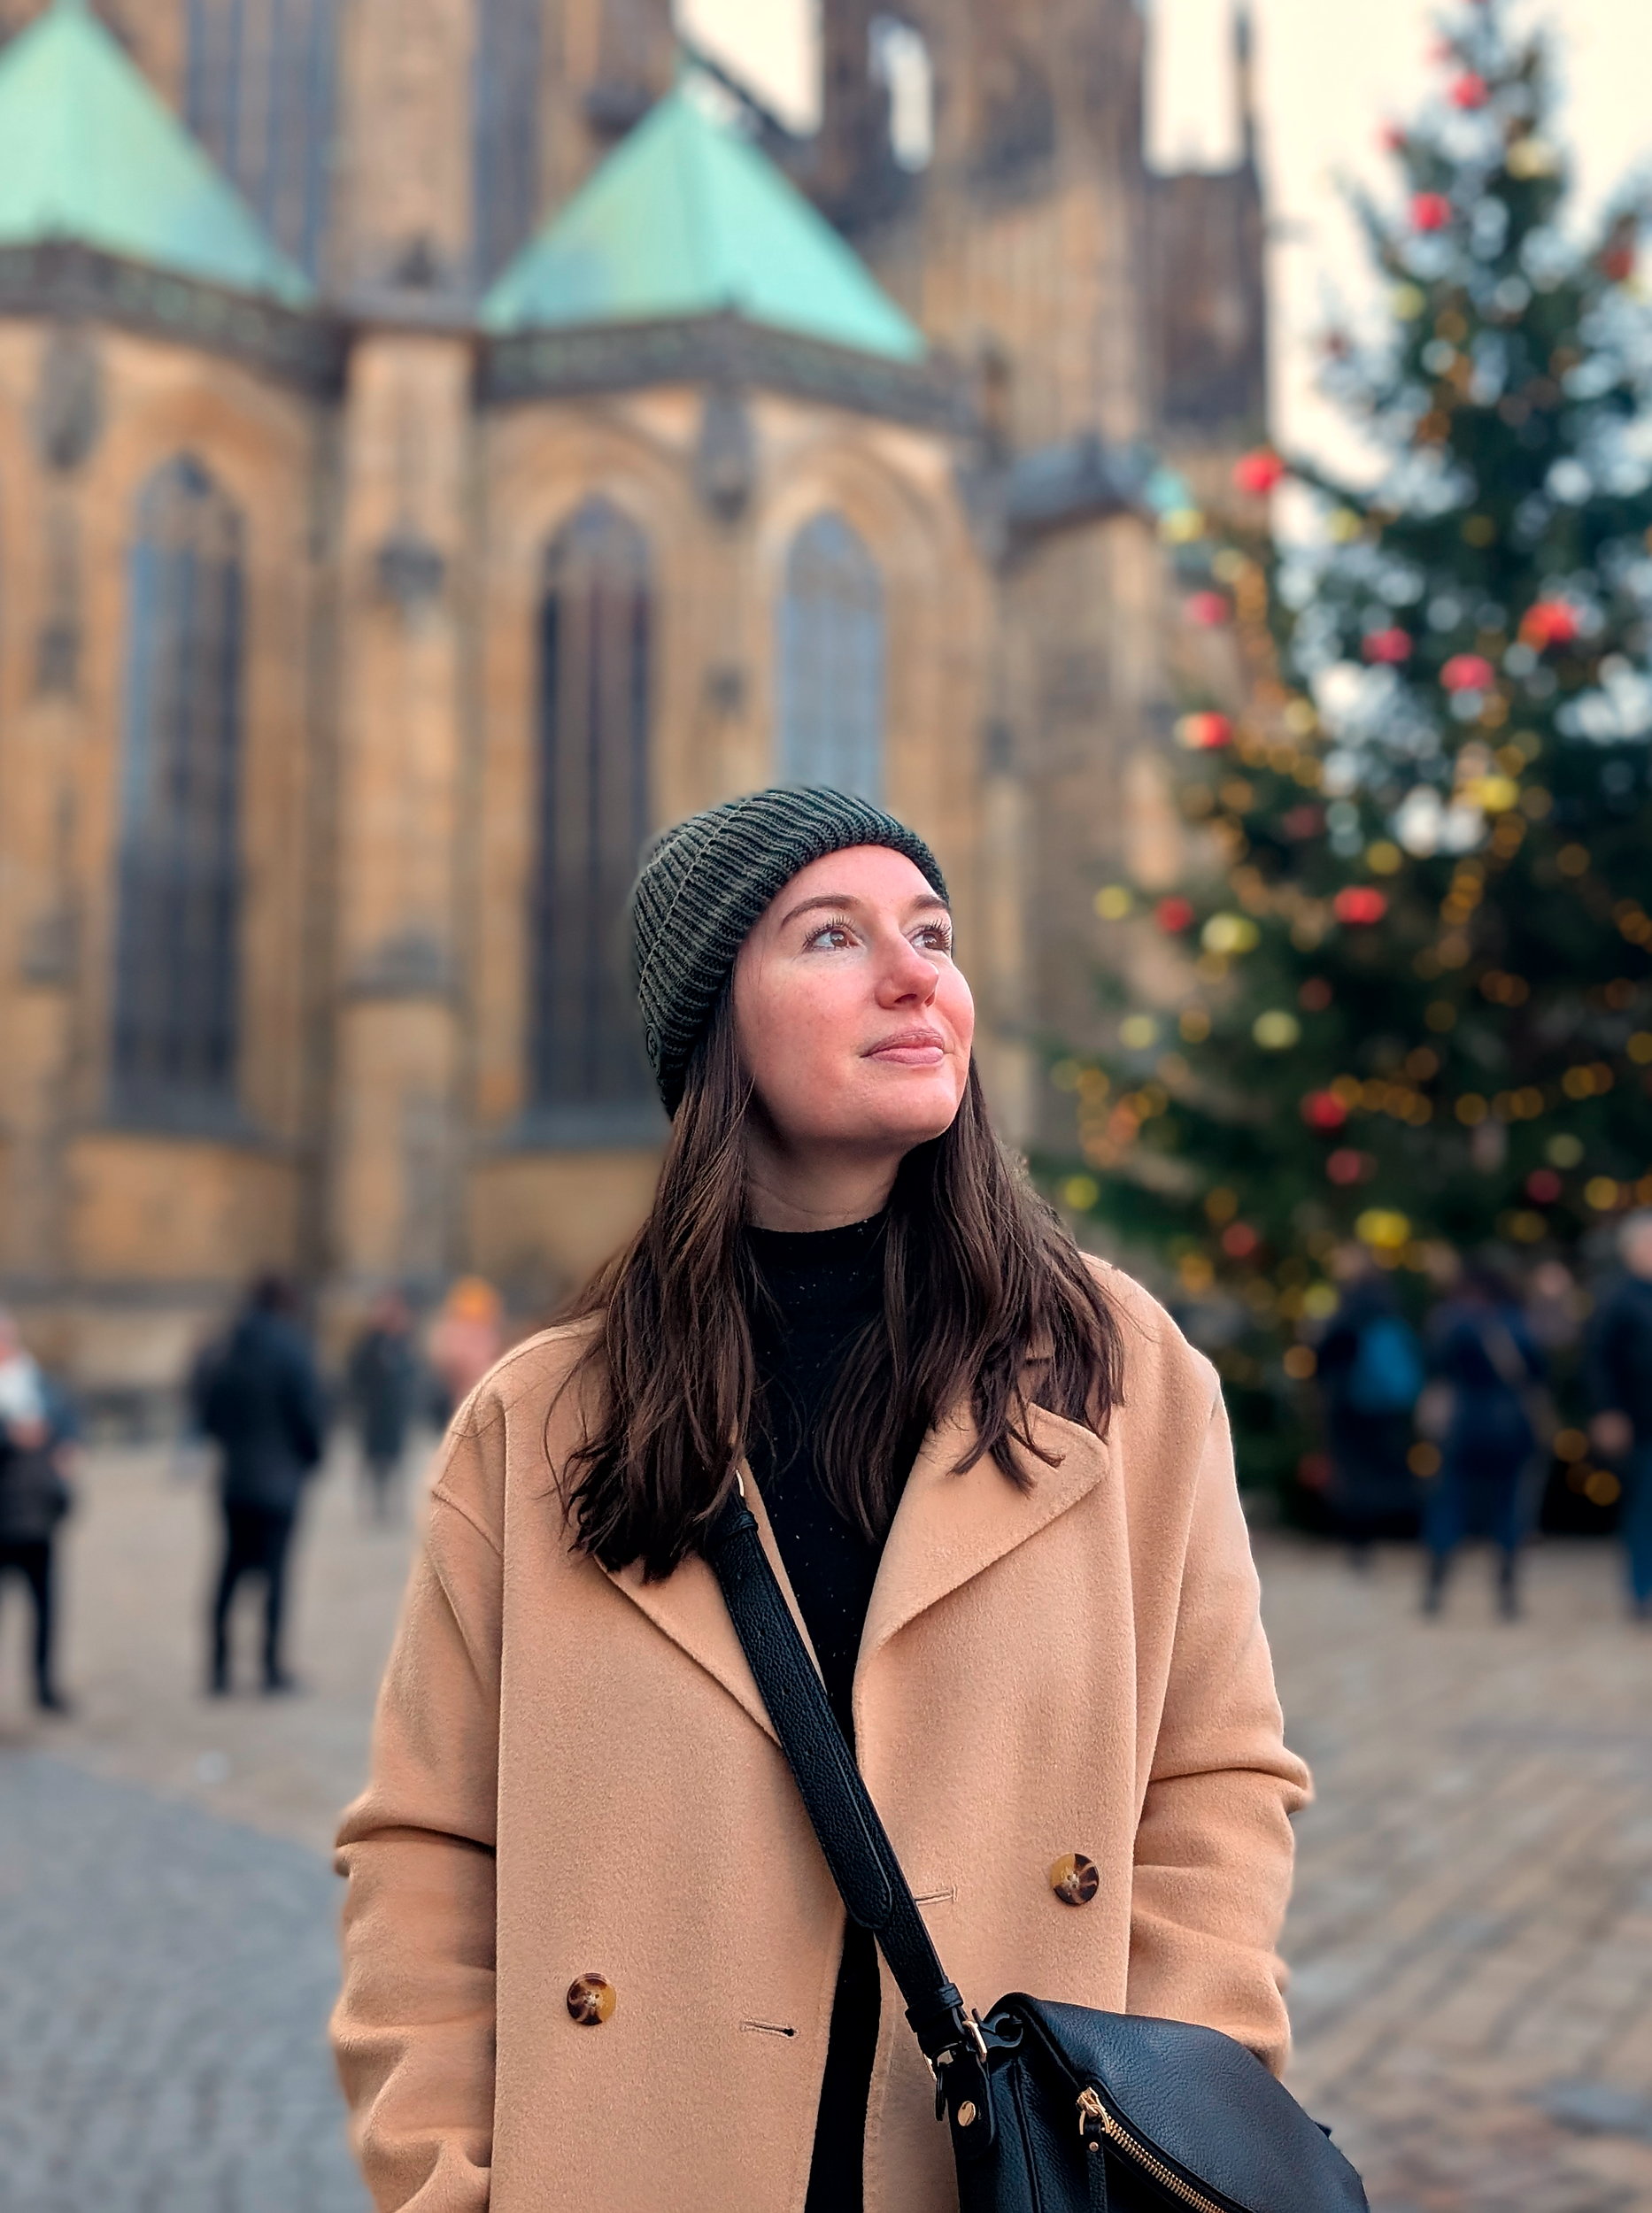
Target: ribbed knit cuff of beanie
(704,882)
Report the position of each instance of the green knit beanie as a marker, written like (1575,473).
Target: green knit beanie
(706,881)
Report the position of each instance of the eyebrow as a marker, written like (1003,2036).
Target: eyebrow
(840,899)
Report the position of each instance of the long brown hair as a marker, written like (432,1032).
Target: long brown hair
(985,1300)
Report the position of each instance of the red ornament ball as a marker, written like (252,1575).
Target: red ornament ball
(1467,672)
(1430,210)
(1174,915)
(1543,1186)
(1208,609)
(1258,472)
(1470,91)
(1315,995)
(1618,263)
(1547,622)
(1390,646)
(1324,1110)
(1390,138)
(1239,1240)
(1359,904)
(1303,821)
(1206,733)
(1345,1165)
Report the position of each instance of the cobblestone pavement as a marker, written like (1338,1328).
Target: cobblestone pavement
(1472,1933)
(1471,1940)
(166,1903)
(167,1974)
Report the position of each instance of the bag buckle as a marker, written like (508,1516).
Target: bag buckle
(970,2031)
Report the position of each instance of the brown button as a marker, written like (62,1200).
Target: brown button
(591,2000)
(1075,1880)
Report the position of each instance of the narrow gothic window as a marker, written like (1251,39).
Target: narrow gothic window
(258,93)
(899,58)
(504,129)
(179,869)
(831,661)
(594,624)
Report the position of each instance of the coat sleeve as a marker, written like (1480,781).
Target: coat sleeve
(414,2028)
(1214,1843)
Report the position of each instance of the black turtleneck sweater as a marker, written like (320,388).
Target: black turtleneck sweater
(822,1289)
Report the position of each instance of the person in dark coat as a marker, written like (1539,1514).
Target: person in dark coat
(1620,1389)
(1370,1373)
(383,1382)
(258,1396)
(1487,1388)
(36,1429)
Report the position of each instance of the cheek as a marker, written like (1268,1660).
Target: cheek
(792,1032)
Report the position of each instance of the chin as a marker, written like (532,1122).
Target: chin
(911,1121)
(877,1115)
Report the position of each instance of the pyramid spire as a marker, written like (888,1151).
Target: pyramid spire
(684,220)
(91,153)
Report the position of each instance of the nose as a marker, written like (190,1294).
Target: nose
(906,978)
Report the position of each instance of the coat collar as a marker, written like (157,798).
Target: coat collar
(948,1529)
(688,1605)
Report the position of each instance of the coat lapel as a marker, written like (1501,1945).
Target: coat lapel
(688,1607)
(949,1527)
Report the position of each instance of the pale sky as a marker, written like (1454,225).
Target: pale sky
(1330,74)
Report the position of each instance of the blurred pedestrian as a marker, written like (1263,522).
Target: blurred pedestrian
(259,1398)
(1620,1389)
(1370,1376)
(383,1382)
(466,1338)
(35,1433)
(1556,1308)
(1484,1405)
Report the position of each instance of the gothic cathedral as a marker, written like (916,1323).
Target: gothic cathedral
(442,441)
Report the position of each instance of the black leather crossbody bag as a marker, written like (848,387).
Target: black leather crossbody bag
(1051,2108)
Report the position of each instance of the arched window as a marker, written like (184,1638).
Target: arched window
(259,94)
(831,661)
(504,88)
(595,619)
(900,58)
(179,893)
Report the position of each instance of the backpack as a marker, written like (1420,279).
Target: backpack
(1388,1373)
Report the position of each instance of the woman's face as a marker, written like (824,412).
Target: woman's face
(852,1019)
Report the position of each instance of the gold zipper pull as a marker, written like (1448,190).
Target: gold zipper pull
(1089,2109)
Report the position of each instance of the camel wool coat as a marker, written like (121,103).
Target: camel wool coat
(572,1775)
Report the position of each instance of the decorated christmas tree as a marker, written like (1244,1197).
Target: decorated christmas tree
(1404,997)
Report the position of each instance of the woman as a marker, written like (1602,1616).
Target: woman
(593,1955)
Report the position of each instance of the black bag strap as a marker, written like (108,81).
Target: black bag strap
(852,1839)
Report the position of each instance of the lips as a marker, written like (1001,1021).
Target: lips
(919,1048)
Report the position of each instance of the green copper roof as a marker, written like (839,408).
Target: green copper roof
(684,219)
(89,151)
